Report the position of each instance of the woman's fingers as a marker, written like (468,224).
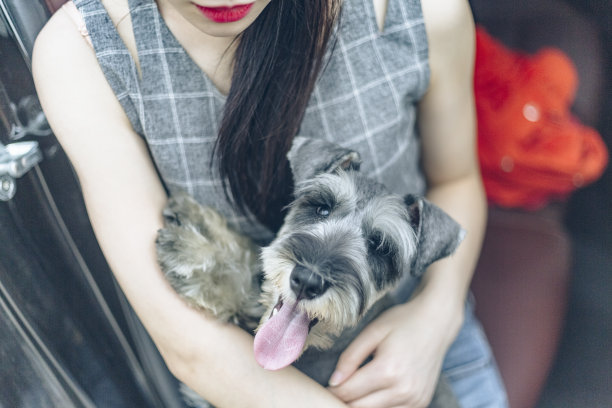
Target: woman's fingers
(374,386)
(356,353)
(363,382)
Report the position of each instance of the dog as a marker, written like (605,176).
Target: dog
(346,243)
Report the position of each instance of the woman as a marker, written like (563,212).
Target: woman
(136,106)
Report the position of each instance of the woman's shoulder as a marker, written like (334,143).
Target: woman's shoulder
(65,37)
(450,32)
(69,80)
(445,18)
(60,35)
(60,51)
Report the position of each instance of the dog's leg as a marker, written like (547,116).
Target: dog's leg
(208,264)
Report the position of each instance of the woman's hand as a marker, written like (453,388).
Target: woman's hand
(408,344)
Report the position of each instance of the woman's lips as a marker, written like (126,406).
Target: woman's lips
(225,14)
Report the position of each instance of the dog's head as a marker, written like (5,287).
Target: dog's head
(346,242)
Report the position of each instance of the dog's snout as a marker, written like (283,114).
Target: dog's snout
(306,284)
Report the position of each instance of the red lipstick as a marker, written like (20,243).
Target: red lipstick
(225,14)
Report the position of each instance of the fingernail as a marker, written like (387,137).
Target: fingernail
(336,379)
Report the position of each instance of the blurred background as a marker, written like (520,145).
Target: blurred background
(581,371)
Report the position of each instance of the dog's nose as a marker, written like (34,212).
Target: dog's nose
(306,284)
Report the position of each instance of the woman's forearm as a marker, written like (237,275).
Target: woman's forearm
(447,281)
(214,359)
(220,366)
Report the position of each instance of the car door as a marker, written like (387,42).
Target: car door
(67,336)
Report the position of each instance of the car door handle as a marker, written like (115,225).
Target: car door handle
(25,119)
(16,159)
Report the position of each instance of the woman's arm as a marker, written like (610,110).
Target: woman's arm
(124,199)
(450,159)
(410,340)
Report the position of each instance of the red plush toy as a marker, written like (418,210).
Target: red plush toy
(531,148)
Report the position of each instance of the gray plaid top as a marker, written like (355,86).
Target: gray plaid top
(365,99)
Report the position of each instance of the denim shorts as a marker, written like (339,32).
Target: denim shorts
(470,368)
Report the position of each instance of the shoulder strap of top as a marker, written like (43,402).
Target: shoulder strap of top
(114,58)
(76,17)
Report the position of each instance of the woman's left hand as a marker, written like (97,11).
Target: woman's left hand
(408,343)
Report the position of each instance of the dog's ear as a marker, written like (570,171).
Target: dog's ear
(437,234)
(309,157)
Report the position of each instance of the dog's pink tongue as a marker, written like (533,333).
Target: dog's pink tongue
(279,342)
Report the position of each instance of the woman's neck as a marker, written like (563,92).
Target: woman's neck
(214,55)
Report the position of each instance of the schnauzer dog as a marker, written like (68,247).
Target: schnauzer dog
(345,245)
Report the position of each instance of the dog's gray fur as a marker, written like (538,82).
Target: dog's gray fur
(345,243)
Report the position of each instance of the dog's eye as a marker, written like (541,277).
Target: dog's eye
(323,211)
(373,244)
(377,246)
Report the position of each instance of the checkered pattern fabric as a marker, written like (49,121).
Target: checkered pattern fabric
(365,99)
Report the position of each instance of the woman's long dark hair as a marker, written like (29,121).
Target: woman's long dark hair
(276,64)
